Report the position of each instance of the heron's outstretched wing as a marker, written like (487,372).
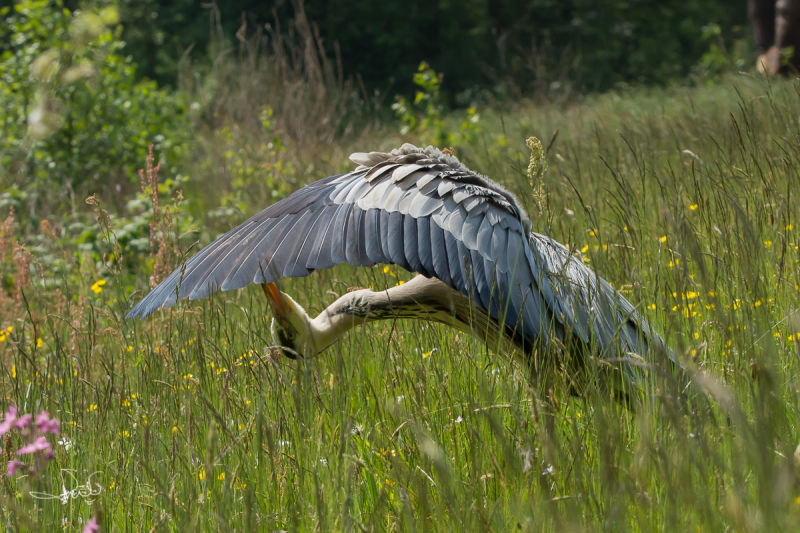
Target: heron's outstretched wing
(426,212)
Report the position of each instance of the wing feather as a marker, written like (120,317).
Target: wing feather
(372,237)
(383,224)
(411,246)
(397,241)
(424,245)
(338,230)
(321,251)
(439,254)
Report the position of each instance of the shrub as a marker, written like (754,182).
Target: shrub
(74,118)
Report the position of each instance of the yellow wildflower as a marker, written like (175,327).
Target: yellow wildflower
(758,303)
(768,244)
(174,430)
(14,371)
(92,407)
(97,288)
(591,233)
(221,476)
(39,343)
(124,434)
(10,329)
(426,355)
(693,207)
(664,238)
(696,335)
(651,306)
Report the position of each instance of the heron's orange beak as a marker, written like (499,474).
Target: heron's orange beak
(275,300)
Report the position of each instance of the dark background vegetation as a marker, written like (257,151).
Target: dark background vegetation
(521,45)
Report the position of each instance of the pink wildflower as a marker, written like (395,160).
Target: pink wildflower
(91,526)
(46,424)
(42,418)
(13,466)
(53,427)
(23,421)
(10,418)
(40,443)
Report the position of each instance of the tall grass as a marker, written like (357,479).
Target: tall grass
(683,199)
(272,110)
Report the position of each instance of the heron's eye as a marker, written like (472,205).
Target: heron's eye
(289,335)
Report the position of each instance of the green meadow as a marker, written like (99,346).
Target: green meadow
(683,198)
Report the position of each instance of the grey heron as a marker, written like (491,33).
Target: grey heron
(480,268)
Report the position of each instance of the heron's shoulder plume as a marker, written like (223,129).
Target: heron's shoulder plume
(413,159)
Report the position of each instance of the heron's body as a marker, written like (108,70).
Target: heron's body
(481,268)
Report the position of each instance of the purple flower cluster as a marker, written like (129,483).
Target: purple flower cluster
(91,526)
(34,435)
(37,445)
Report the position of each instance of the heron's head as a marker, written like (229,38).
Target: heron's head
(291,327)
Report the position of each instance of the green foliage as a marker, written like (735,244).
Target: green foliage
(75,119)
(424,115)
(723,55)
(252,168)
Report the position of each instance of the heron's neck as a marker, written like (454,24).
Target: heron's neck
(420,298)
